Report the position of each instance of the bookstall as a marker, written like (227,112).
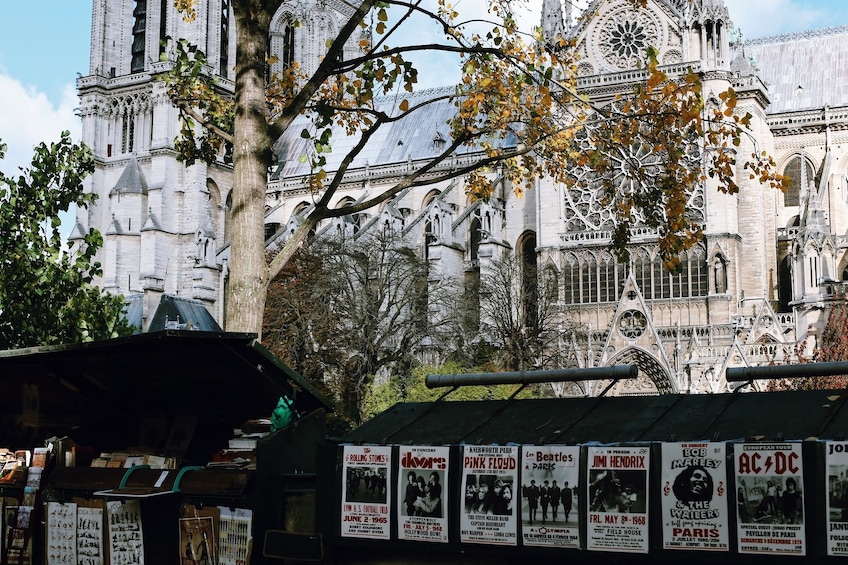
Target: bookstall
(747,477)
(172,447)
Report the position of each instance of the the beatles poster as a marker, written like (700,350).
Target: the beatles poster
(836,459)
(366,500)
(549,511)
(489,480)
(770,498)
(422,492)
(694,496)
(617,495)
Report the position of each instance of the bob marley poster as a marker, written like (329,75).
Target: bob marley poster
(694,496)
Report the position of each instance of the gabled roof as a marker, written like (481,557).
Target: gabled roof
(804,70)
(103,389)
(132,180)
(605,420)
(177,313)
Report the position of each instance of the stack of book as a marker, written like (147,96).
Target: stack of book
(240,452)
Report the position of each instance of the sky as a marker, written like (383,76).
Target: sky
(43,45)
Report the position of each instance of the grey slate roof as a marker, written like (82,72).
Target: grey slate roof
(132,180)
(804,70)
(411,138)
(177,313)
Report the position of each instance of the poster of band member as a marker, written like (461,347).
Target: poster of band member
(694,496)
(617,495)
(489,479)
(769,498)
(366,500)
(836,458)
(549,512)
(422,492)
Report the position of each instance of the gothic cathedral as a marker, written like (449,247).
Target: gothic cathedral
(757,284)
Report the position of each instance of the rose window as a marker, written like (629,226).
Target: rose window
(588,204)
(625,35)
(632,324)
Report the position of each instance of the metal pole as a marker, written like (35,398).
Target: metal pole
(734,374)
(615,372)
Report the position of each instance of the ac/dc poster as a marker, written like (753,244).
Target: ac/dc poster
(770,498)
(617,495)
(694,496)
(366,500)
(489,479)
(836,459)
(549,511)
(422,492)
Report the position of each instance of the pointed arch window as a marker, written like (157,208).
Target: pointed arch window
(163,24)
(606,279)
(698,271)
(589,279)
(138,31)
(642,264)
(224,56)
(798,177)
(571,280)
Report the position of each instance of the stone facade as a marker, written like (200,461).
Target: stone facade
(758,282)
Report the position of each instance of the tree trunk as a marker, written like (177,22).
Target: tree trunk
(252,149)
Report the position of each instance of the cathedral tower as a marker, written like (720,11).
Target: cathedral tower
(165,224)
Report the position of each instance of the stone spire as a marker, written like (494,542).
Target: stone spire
(553,27)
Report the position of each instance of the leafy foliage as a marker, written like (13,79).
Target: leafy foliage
(413,388)
(46,291)
(516,104)
(833,346)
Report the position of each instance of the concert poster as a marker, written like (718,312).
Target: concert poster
(489,513)
(617,495)
(366,500)
(549,501)
(770,498)
(694,496)
(422,493)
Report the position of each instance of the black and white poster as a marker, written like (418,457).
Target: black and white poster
(617,495)
(770,498)
(366,500)
(422,494)
(836,458)
(549,509)
(489,480)
(694,496)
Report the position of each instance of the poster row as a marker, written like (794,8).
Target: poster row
(528,495)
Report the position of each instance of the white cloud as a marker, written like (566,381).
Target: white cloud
(32,118)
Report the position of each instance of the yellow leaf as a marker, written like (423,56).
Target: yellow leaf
(404,105)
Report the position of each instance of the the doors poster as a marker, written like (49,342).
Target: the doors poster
(769,498)
(617,495)
(836,459)
(422,492)
(549,511)
(489,480)
(366,500)
(694,496)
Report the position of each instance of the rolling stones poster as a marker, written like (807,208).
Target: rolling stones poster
(422,492)
(365,504)
(489,480)
(836,459)
(617,495)
(549,511)
(694,496)
(770,498)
